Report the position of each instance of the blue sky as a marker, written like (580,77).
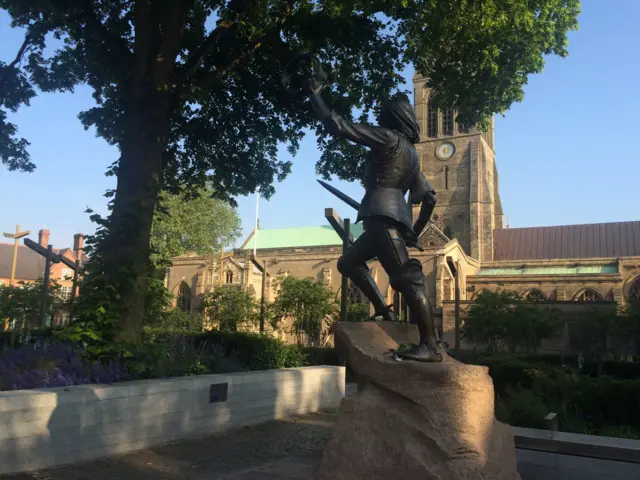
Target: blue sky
(565,154)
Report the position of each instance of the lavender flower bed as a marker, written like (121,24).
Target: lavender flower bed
(44,365)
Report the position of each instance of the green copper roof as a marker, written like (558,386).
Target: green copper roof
(319,236)
(579,270)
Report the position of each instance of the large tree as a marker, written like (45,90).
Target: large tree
(189,90)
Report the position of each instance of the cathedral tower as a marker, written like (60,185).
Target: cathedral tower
(459,162)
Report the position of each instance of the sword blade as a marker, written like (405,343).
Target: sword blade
(345,198)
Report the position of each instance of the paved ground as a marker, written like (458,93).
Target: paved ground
(283,450)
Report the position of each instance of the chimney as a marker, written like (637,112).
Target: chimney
(78,242)
(43,237)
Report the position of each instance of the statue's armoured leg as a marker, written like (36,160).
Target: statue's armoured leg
(406,277)
(353,265)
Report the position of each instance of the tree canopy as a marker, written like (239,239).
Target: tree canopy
(199,224)
(189,90)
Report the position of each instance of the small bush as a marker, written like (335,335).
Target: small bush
(522,408)
(322,356)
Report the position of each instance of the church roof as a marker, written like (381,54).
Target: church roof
(597,240)
(298,237)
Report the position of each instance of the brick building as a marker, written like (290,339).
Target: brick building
(30,266)
(573,263)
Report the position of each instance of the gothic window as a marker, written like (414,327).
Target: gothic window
(229,277)
(535,295)
(634,292)
(184,297)
(447,122)
(588,295)
(432,119)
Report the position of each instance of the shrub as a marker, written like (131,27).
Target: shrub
(503,321)
(174,355)
(522,408)
(177,320)
(231,307)
(322,356)
(312,306)
(255,351)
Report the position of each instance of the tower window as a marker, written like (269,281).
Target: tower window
(447,122)
(446,177)
(432,119)
(462,128)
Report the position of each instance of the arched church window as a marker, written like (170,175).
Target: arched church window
(588,295)
(432,118)
(184,297)
(535,295)
(634,292)
(229,276)
(447,121)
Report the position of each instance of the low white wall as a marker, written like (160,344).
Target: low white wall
(47,427)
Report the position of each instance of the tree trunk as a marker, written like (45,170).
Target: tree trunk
(139,182)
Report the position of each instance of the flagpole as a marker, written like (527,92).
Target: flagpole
(255,231)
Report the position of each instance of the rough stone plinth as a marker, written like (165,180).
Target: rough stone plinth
(413,420)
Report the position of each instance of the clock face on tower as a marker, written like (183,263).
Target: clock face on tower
(445,151)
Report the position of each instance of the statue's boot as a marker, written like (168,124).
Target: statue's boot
(387,314)
(423,352)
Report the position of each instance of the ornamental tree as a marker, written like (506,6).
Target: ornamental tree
(189,90)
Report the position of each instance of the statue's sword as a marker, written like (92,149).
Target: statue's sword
(345,198)
(353,204)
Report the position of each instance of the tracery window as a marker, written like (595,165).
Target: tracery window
(432,118)
(588,295)
(229,276)
(447,122)
(184,297)
(535,295)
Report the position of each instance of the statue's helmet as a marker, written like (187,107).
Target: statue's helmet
(398,114)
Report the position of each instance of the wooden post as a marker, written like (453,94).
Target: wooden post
(344,289)
(16,239)
(76,274)
(264,293)
(45,286)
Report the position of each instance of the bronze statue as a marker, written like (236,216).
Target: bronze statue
(392,169)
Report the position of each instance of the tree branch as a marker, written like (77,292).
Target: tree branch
(205,48)
(20,54)
(249,49)
(117,44)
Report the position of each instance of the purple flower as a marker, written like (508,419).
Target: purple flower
(42,365)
